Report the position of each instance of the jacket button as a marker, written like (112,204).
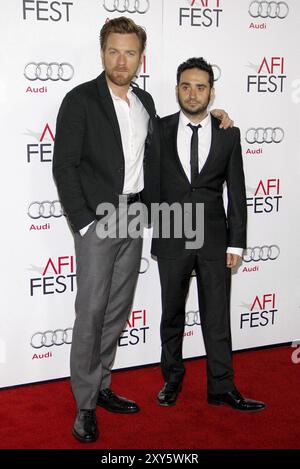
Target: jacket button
(194,189)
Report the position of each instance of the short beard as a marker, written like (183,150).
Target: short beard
(119,80)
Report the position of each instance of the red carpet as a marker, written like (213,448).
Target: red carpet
(41,415)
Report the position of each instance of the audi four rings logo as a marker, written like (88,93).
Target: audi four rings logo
(145,264)
(264,135)
(217,72)
(268,9)
(45,209)
(44,71)
(50,338)
(261,253)
(192,318)
(129,6)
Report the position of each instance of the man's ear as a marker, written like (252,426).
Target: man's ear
(212,94)
(176,92)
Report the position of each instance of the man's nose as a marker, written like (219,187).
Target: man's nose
(121,59)
(192,93)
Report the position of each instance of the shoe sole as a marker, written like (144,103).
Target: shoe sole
(131,411)
(217,403)
(83,440)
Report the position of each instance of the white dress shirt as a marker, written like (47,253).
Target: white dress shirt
(204,142)
(133,122)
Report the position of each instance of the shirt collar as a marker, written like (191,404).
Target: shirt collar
(185,121)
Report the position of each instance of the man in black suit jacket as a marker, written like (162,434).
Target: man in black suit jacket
(106,145)
(197,158)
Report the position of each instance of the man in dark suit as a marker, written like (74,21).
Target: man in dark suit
(197,158)
(106,145)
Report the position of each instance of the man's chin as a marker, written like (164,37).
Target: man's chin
(193,111)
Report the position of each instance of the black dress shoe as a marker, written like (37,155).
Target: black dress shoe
(168,394)
(235,400)
(110,401)
(85,427)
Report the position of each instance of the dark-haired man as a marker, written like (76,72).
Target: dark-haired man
(196,160)
(106,146)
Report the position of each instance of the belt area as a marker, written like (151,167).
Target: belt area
(131,198)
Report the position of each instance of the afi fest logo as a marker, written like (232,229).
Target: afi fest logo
(205,13)
(269,77)
(37,10)
(261,312)
(266,197)
(42,151)
(56,276)
(136,329)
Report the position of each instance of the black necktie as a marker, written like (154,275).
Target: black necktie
(194,153)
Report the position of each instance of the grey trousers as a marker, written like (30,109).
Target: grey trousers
(107,272)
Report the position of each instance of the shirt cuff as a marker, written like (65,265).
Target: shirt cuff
(238,251)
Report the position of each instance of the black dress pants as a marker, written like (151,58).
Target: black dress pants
(213,283)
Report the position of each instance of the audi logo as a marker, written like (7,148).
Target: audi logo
(268,9)
(261,253)
(217,72)
(264,135)
(50,338)
(129,6)
(192,318)
(48,71)
(45,209)
(145,264)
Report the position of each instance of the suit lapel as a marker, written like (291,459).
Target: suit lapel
(109,109)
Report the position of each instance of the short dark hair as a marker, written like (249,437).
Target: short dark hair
(196,62)
(122,25)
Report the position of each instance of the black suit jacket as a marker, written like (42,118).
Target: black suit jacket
(88,161)
(224,164)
